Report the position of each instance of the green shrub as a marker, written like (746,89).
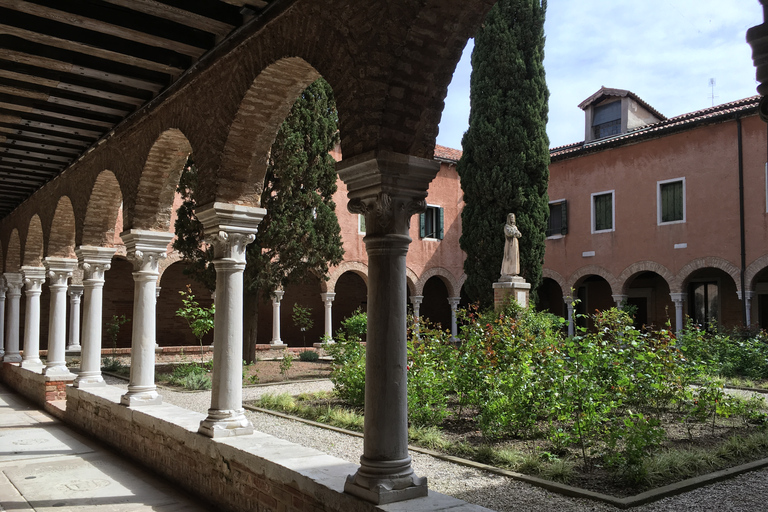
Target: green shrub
(308,356)
(112,364)
(196,381)
(285,364)
(356,325)
(348,369)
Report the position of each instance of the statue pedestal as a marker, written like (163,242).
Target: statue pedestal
(510,286)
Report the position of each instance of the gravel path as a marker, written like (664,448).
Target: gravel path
(746,493)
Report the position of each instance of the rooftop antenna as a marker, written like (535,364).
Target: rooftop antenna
(712,86)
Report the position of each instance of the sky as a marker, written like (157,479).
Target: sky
(664,51)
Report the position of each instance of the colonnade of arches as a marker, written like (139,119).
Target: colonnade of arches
(706,290)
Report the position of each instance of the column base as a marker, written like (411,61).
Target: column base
(12,358)
(383,482)
(225,423)
(58,371)
(32,364)
(277,345)
(140,398)
(89,381)
(74,348)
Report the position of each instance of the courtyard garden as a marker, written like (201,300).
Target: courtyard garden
(614,409)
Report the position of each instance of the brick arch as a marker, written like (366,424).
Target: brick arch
(61,240)
(34,243)
(411,280)
(646,266)
(556,277)
(707,262)
(104,203)
(173,257)
(357,267)
(13,254)
(753,269)
(451,283)
(157,185)
(595,270)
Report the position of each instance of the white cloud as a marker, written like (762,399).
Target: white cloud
(664,51)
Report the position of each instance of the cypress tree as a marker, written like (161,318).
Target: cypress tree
(300,234)
(504,166)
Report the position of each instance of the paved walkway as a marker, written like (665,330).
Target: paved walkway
(46,466)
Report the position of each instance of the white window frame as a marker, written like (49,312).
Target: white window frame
(360,220)
(432,238)
(613,211)
(658,203)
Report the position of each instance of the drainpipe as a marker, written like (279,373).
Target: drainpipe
(741,225)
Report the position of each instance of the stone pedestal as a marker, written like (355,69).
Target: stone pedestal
(511,286)
(387,188)
(229,229)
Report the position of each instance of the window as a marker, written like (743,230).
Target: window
(558,221)
(606,120)
(361,224)
(703,303)
(431,223)
(671,201)
(602,212)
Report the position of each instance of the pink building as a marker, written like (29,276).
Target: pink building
(668,215)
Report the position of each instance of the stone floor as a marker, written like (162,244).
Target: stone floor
(46,466)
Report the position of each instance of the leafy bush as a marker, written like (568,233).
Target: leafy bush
(195,381)
(285,364)
(428,382)
(348,368)
(356,325)
(112,364)
(308,356)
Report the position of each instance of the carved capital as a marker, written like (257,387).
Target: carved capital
(13,283)
(34,277)
(387,213)
(146,261)
(146,248)
(59,270)
(94,261)
(230,246)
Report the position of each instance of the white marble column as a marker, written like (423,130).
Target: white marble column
(619,300)
(75,293)
(569,307)
(388,188)
(229,229)
(145,249)
(454,302)
(276,340)
(416,301)
(94,261)
(328,303)
(678,299)
(13,282)
(34,277)
(2,317)
(59,272)
(747,306)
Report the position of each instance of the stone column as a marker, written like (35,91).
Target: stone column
(416,302)
(75,293)
(276,340)
(34,277)
(678,299)
(229,229)
(747,306)
(569,306)
(59,272)
(2,317)
(454,302)
(619,300)
(388,188)
(145,249)
(328,302)
(94,261)
(13,282)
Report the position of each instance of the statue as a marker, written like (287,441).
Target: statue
(510,265)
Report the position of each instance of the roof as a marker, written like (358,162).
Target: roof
(712,115)
(70,72)
(447,154)
(606,92)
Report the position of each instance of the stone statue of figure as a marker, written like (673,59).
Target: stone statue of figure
(510,266)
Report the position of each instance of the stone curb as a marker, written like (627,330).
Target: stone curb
(566,490)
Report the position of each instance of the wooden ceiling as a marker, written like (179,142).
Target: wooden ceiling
(71,70)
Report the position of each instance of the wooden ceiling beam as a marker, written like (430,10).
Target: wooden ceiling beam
(179,15)
(28,138)
(36,132)
(46,155)
(90,119)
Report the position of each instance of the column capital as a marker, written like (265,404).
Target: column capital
(619,298)
(94,260)
(59,270)
(416,299)
(13,283)
(327,297)
(75,291)
(454,302)
(34,277)
(230,228)
(677,297)
(388,188)
(278,296)
(146,248)
(745,295)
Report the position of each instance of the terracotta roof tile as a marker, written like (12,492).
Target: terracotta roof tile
(444,153)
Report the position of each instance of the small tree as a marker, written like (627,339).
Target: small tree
(303,320)
(199,319)
(113,330)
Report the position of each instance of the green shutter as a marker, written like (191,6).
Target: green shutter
(603,212)
(422,227)
(564,218)
(440,224)
(672,201)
